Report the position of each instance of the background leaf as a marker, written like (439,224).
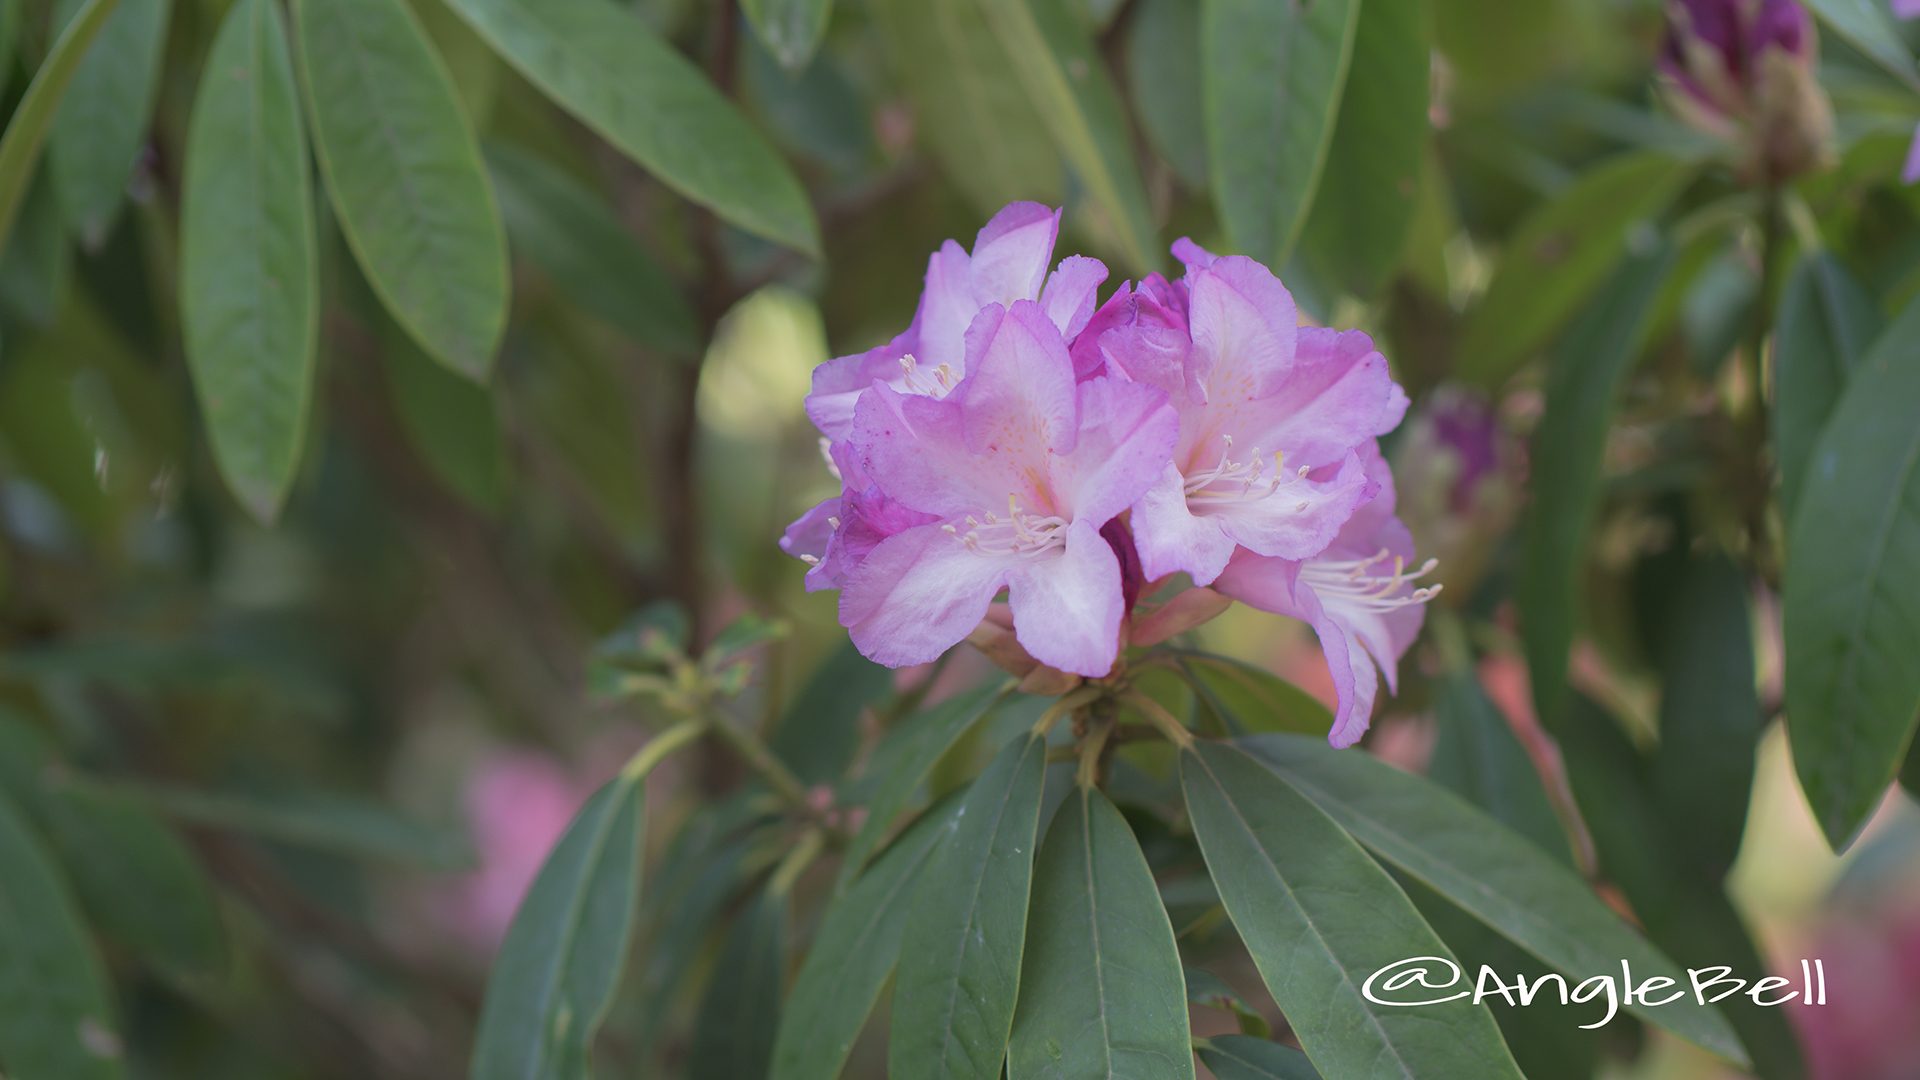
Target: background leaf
(791,29)
(741,1009)
(1163,69)
(1240,1057)
(101,127)
(27,130)
(1826,322)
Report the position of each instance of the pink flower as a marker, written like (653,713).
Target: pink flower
(1017,468)
(1359,596)
(1271,417)
(518,804)
(1911,173)
(1008,263)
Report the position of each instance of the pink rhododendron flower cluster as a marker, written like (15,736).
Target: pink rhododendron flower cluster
(1020,438)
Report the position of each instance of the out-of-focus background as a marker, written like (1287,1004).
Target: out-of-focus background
(303,752)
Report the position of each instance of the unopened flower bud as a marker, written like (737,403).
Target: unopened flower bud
(1743,71)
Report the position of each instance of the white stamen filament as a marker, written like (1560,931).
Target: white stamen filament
(937,383)
(826,452)
(1235,481)
(1364,582)
(1018,533)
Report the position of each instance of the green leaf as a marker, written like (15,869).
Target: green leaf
(1827,320)
(1851,613)
(1710,720)
(791,29)
(561,961)
(55,1017)
(139,884)
(324,822)
(1066,79)
(1478,757)
(405,177)
(249,290)
(1273,79)
(1491,872)
(1249,699)
(953,997)
(740,1011)
(1866,25)
(603,65)
(102,123)
(452,423)
(819,733)
(1101,990)
(37,266)
(572,235)
(27,130)
(852,954)
(1242,1057)
(1163,69)
(1559,255)
(1583,387)
(904,759)
(1208,990)
(1319,918)
(1359,224)
(979,124)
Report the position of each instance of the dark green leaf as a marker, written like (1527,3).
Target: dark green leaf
(1319,919)
(852,954)
(1242,1057)
(1208,990)
(324,822)
(1359,223)
(575,238)
(603,65)
(27,130)
(978,123)
(249,291)
(452,422)
(1163,70)
(1273,76)
(1250,699)
(741,1009)
(1479,758)
(1101,990)
(405,176)
(1493,873)
(38,262)
(954,994)
(1066,80)
(55,1016)
(1559,255)
(1851,613)
(1826,322)
(561,961)
(819,733)
(1583,388)
(1866,25)
(791,29)
(102,123)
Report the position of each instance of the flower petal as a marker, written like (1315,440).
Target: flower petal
(1299,518)
(1018,401)
(1011,254)
(915,450)
(1067,607)
(1126,432)
(1069,294)
(1338,395)
(1244,325)
(1171,539)
(838,383)
(1911,174)
(917,595)
(1274,585)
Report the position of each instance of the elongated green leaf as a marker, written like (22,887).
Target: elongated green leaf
(791,29)
(1208,990)
(1479,758)
(1273,79)
(27,130)
(1826,323)
(561,961)
(852,954)
(1053,56)
(603,65)
(55,1017)
(1360,222)
(1489,871)
(954,995)
(1583,388)
(1320,918)
(102,122)
(1851,614)
(38,262)
(819,732)
(1867,26)
(903,760)
(573,235)
(1163,70)
(740,1010)
(1249,699)
(404,173)
(325,822)
(452,422)
(1101,991)
(249,292)
(1560,254)
(139,884)
(1710,720)
(1241,1057)
(978,123)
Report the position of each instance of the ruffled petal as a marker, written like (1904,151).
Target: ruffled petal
(915,451)
(1126,433)
(1337,395)
(1274,585)
(1067,607)
(1012,252)
(1019,401)
(1069,294)
(1299,518)
(1171,539)
(1244,325)
(838,383)
(919,594)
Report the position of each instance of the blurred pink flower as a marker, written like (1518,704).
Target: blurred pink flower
(1867,1030)
(518,804)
